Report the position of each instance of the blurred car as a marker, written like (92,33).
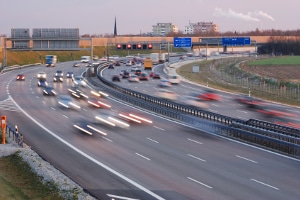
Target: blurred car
(195,102)
(49,91)
(67,102)
(209,95)
(125,74)
(76,64)
(154,75)
(116,77)
(117,64)
(132,116)
(174,79)
(77,93)
(111,66)
(164,83)
(20,77)
(69,74)
(133,78)
(166,94)
(79,81)
(59,73)
(58,78)
(129,63)
(98,102)
(138,64)
(133,68)
(88,127)
(111,119)
(137,72)
(42,83)
(250,102)
(41,75)
(143,77)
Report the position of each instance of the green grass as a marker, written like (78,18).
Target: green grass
(285,60)
(17,181)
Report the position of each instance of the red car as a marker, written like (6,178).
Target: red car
(154,75)
(209,95)
(20,77)
(143,77)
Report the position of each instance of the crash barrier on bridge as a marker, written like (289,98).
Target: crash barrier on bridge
(16,136)
(15,67)
(251,131)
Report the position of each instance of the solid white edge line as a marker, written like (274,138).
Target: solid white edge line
(89,157)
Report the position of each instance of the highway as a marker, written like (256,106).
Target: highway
(161,160)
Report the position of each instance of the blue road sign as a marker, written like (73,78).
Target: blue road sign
(236,41)
(183,42)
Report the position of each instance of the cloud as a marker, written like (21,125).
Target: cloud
(265,15)
(232,14)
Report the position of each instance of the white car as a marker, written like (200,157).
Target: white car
(138,64)
(166,94)
(128,63)
(41,75)
(195,102)
(133,78)
(174,79)
(79,80)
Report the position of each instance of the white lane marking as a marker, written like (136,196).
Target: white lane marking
(159,128)
(85,109)
(53,108)
(90,157)
(66,116)
(44,102)
(213,111)
(215,105)
(264,184)
(246,159)
(195,141)
(120,197)
(152,140)
(107,139)
(142,156)
(37,97)
(196,157)
(200,183)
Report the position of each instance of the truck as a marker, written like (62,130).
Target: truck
(51,60)
(85,59)
(148,64)
(162,58)
(155,58)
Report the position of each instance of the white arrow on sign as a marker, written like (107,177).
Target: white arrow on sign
(120,197)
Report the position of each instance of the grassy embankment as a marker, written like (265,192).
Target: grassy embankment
(208,78)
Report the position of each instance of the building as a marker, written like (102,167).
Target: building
(161,29)
(200,27)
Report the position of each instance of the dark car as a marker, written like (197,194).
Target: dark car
(117,64)
(76,65)
(137,72)
(77,93)
(49,91)
(125,74)
(143,77)
(58,78)
(20,77)
(42,83)
(116,77)
(250,102)
(111,66)
(69,74)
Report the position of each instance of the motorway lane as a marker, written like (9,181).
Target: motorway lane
(170,161)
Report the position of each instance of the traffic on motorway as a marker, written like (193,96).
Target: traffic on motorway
(115,150)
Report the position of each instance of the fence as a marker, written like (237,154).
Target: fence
(16,136)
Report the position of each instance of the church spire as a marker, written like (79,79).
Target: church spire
(115,28)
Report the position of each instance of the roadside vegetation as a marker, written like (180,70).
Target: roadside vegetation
(17,181)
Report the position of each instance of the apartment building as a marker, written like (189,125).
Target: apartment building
(161,29)
(202,27)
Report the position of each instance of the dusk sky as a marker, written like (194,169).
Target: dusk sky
(138,16)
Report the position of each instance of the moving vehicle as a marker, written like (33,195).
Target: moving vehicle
(85,59)
(164,83)
(250,102)
(76,64)
(116,77)
(49,91)
(89,128)
(148,64)
(143,77)
(205,53)
(98,102)
(174,79)
(166,94)
(133,78)
(58,76)
(129,63)
(162,58)
(67,102)
(77,93)
(209,95)
(111,119)
(69,74)
(195,102)
(41,75)
(51,60)
(111,66)
(79,80)
(42,83)
(20,77)
(155,58)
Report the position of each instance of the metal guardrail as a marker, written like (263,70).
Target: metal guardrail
(16,136)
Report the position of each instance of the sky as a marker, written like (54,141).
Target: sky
(138,16)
